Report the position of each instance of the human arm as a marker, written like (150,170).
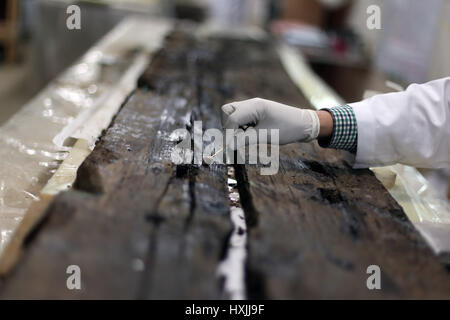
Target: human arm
(410,127)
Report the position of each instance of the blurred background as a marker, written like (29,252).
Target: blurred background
(340,39)
(410,46)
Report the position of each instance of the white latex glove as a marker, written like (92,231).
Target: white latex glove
(294,124)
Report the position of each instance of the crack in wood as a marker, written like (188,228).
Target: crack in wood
(232,266)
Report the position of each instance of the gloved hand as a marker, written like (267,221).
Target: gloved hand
(294,124)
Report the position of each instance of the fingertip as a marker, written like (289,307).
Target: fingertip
(228,109)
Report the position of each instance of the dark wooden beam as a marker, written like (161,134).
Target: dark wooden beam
(140,226)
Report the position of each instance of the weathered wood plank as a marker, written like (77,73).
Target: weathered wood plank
(208,213)
(324,226)
(87,229)
(139,226)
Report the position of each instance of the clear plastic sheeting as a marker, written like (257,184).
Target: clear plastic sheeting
(412,191)
(429,213)
(28,152)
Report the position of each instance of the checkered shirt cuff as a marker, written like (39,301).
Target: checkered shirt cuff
(345,130)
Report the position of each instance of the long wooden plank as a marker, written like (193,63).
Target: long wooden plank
(137,225)
(207,217)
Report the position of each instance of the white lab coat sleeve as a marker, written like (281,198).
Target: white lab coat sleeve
(410,127)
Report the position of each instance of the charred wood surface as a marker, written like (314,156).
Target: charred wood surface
(140,226)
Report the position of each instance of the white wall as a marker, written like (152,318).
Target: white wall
(431,60)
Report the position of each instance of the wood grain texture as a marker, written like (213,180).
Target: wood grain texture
(140,226)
